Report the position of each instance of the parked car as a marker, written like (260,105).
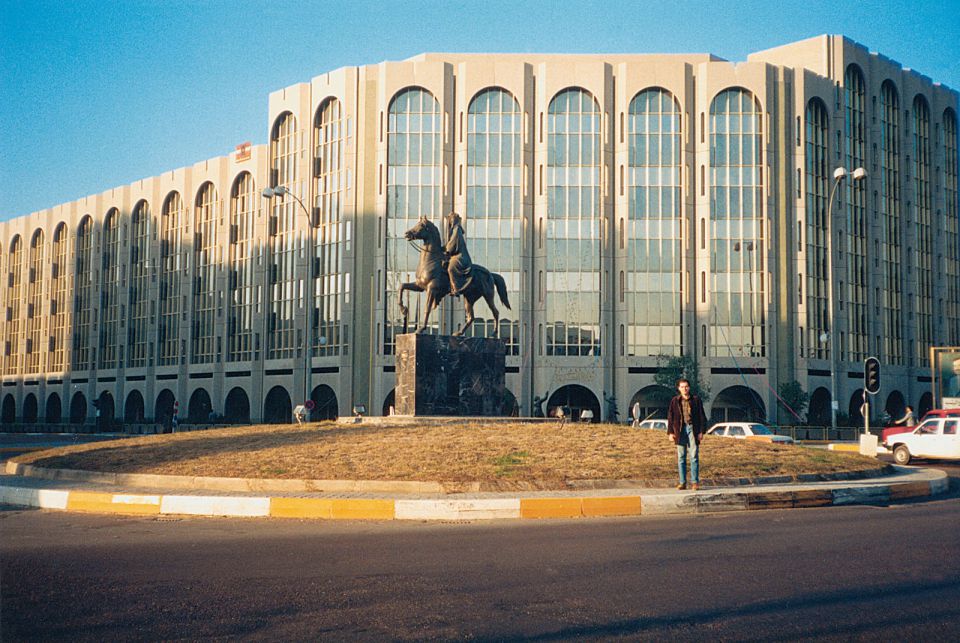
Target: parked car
(937,437)
(748,431)
(658,425)
(887,432)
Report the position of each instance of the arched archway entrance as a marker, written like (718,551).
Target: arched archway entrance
(325,404)
(199,408)
(926,403)
(133,408)
(9,412)
(107,411)
(390,402)
(819,411)
(163,408)
(54,409)
(236,408)
(574,399)
(738,403)
(78,408)
(30,408)
(653,400)
(853,411)
(277,408)
(895,405)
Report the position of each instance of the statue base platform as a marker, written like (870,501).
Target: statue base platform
(451,376)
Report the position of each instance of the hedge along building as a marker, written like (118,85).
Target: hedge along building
(637,205)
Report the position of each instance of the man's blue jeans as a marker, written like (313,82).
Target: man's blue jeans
(694,449)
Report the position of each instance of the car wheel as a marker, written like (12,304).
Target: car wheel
(901,454)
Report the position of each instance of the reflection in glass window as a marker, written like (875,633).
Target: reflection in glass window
(11,352)
(492,222)
(736,228)
(284,289)
(139,285)
(83,297)
(652,289)
(110,291)
(35,313)
(923,250)
(413,189)
(58,304)
(951,214)
(241,291)
(331,280)
(857,347)
(817,183)
(891,249)
(172,222)
(204,284)
(573,225)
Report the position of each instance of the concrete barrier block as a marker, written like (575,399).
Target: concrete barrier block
(215,506)
(468,509)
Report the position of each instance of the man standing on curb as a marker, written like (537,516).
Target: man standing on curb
(686,423)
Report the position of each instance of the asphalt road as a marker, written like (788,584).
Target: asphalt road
(850,573)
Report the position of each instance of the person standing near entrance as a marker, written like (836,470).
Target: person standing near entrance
(686,423)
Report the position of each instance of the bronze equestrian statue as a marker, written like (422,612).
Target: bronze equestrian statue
(444,268)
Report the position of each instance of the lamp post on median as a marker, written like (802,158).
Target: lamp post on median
(280,192)
(838,175)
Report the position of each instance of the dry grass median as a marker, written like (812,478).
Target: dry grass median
(498,456)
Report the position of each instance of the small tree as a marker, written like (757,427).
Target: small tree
(670,368)
(793,399)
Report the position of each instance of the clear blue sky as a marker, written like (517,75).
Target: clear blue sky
(97,94)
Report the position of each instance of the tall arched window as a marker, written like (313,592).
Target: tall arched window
(204,281)
(83,294)
(923,250)
(737,234)
(172,266)
(242,290)
(110,292)
(573,225)
(951,218)
(817,181)
(892,250)
(35,312)
(58,300)
(284,288)
(493,200)
(653,286)
(11,349)
(331,280)
(139,286)
(858,333)
(413,189)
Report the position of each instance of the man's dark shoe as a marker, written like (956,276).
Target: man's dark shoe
(681,487)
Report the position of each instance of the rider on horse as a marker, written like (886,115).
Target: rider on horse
(459,267)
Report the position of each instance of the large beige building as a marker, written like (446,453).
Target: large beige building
(636,205)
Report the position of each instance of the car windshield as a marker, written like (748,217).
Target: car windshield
(759,429)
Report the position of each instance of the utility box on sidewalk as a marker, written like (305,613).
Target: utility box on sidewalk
(868,445)
(447,375)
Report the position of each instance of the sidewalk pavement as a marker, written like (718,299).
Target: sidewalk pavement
(138,494)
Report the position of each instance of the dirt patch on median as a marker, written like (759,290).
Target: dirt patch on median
(496,456)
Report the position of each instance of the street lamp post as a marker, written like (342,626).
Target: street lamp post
(281,191)
(838,175)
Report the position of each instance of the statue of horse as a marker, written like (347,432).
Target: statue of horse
(433,279)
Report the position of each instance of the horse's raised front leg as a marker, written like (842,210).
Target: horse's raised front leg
(403,307)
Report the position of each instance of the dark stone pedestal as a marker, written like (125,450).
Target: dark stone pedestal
(445,375)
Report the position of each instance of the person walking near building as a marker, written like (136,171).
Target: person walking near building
(908,418)
(686,423)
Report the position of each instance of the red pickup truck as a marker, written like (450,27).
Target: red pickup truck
(899,428)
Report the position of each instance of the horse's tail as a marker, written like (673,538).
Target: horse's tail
(501,289)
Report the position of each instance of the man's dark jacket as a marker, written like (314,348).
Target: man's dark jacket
(675,418)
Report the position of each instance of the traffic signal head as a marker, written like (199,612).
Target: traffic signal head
(871,375)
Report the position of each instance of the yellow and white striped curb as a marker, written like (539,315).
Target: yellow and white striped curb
(651,502)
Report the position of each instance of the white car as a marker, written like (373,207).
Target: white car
(934,438)
(658,425)
(748,431)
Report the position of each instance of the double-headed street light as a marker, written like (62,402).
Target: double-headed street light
(280,192)
(839,175)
